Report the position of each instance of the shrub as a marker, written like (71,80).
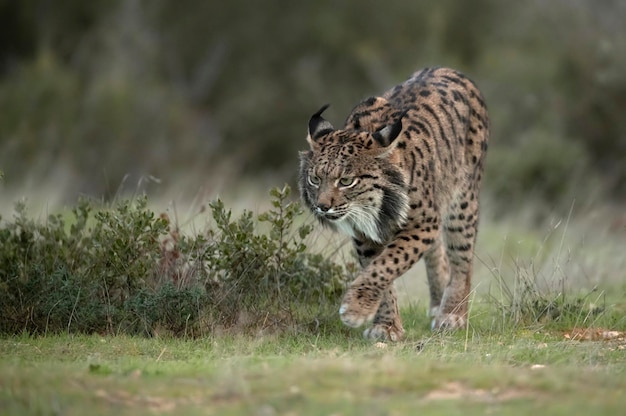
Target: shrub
(124,269)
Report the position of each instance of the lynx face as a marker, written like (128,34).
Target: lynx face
(340,180)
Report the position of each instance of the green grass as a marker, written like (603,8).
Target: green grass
(333,372)
(513,358)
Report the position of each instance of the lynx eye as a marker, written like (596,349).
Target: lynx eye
(314,180)
(347,182)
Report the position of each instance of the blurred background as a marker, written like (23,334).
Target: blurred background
(173,96)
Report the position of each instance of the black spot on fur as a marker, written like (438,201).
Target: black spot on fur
(461,247)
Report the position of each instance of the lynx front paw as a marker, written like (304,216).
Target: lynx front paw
(448,322)
(384,333)
(359,306)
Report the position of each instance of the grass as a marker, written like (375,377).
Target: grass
(501,364)
(514,371)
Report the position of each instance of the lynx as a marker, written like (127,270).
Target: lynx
(402,179)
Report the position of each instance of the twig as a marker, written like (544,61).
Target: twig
(69,323)
(161,355)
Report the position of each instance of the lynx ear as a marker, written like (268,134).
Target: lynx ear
(318,126)
(386,137)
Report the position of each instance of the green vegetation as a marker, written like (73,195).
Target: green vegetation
(124,270)
(111,307)
(93,93)
(115,309)
(485,370)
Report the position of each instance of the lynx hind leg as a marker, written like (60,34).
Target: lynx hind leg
(438,273)
(387,324)
(460,236)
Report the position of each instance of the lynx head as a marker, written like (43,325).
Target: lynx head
(350,180)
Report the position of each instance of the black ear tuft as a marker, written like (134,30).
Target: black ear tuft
(318,125)
(320,111)
(388,134)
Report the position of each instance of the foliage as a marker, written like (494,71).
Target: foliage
(123,269)
(112,88)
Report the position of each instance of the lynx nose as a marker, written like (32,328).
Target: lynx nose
(322,207)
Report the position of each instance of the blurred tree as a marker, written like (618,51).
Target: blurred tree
(592,78)
(17,32)
(27,25)
(170,88)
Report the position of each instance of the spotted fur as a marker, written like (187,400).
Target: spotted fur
(402,178)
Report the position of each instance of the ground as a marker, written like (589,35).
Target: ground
(505,362)
(474,372)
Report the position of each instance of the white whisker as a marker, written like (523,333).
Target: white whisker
(365,220)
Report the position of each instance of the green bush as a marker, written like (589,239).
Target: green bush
(123,269)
